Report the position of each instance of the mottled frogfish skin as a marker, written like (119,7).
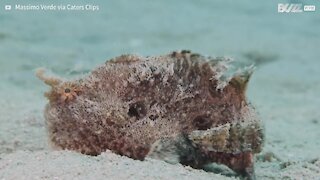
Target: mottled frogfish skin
(179,107)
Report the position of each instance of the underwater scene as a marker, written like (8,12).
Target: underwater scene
(165,89)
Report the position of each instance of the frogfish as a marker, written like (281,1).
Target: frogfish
(179,108)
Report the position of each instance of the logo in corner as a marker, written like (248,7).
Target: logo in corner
(309,8)
(295,8)
(290,8)
(7,7)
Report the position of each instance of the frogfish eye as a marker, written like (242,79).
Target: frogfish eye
(67,90)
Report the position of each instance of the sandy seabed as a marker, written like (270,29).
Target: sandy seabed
(291,150)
